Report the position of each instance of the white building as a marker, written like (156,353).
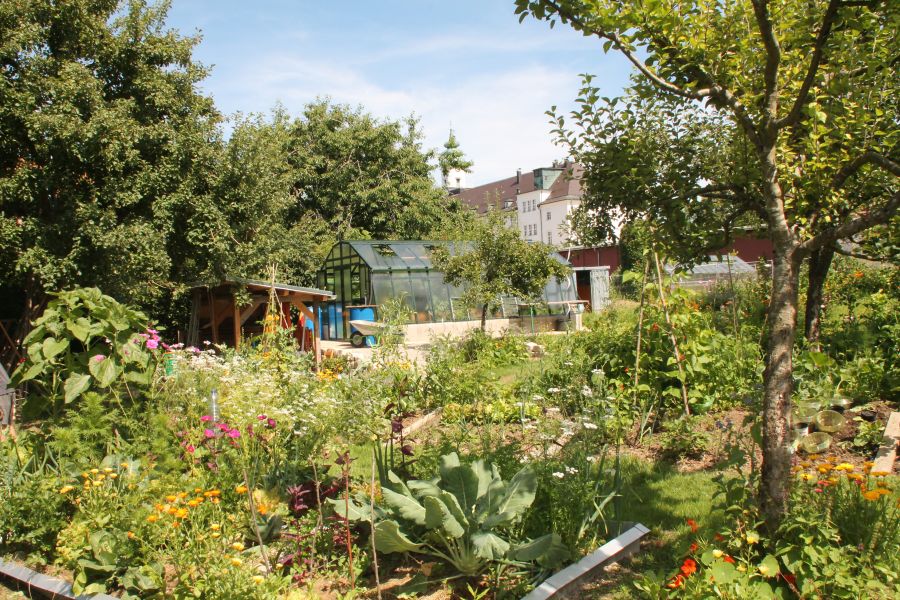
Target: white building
(537,203)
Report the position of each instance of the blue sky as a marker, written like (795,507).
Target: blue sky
(465,62)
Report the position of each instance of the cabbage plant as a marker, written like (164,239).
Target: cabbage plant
(465,516)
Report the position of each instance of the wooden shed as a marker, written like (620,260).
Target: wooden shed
(221,314)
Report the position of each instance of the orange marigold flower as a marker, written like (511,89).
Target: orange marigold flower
(241,489)
(171,498)
(693,525)
(689,567)
(694,547)
(212,493)
(152,519)
(676,582)
(871,495)
(728,559)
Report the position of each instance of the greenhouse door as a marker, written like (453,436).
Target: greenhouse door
(599,288)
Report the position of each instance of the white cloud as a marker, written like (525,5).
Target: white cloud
(498,118)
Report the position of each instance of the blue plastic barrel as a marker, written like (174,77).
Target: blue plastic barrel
(363,313)
(309,323)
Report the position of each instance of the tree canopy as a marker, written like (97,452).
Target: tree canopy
(811,88)
(500,264)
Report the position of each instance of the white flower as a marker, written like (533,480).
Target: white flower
(568,363)
(592,459)
(559,475)
(589,425)
(586,391)
(553,390)
(537,398)
(571,470)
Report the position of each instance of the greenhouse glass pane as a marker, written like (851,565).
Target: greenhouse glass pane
(440,297)
(421,301)
(381,288)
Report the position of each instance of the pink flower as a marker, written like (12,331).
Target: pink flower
(818,490)
(97,357)
(209,433)
(152,344)
(224,427)
(271,423)
(260,417)
(234,433)
(190,448)
(206,418)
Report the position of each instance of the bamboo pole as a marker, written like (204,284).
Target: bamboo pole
(662,300)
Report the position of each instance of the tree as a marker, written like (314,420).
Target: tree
(105,144)
(452,158)
(812,88)
(499,264)
(363,176)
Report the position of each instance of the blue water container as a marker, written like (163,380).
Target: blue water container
(309,323)
(362,313)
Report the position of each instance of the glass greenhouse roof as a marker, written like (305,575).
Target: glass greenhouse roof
(381,255)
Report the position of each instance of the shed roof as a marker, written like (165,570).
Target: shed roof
(718,265)
(256,285)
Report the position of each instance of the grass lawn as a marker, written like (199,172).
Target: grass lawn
(661,498)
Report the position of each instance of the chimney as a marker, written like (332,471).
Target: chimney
(518,176)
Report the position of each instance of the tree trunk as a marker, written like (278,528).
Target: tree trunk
(819,264)
(778,384)
(484,310)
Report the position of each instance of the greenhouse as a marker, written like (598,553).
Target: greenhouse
(363,275)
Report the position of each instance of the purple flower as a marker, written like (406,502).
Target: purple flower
(261,417)
(234,433)
(152,344)
(209,433)
(396,426)
(406,450)
(206,418)
(271,423)
(224,427)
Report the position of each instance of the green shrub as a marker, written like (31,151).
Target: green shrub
(684,438)
(85,341)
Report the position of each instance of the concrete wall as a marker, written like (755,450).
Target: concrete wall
(424,333)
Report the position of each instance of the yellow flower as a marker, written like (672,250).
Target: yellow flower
(806,476)
(844,467)
(182,495)
(879,473)
(257,579)
(95,471)
(216,534)
(108,470)
(764,569)
(101,477)
(752,537)
(181,513)
(872,495)
(236,561)
(824,468)
(741,568)
(237,547)
(869,464)
(113,475)
(215,527)
(171,498)
(131,535)
(152,519)
(855,476)
(85,475)
(718,553)
(198,490)
(241,489)
(66,489)
(832,480)
(882,491)
(212,493)
(124,465)
(193,503)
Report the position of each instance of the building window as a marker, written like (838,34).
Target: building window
(550,237)
(525,230)
(548,215)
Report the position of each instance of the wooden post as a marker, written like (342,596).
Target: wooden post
(212,316)
(237,323)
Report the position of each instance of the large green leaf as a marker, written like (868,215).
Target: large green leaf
(422,488)
(80,328)
(75,385)
(488,503)
(438,516)
(30,373)
(518,497)
(351,510)
(447,463)
(462,482)
(484,475)
(548,551)
(52,347)
(104,371)
(389,538)
(489,546)
(404,506)
(453,506)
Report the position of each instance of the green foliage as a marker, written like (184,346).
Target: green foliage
(500,264)
(464,517)
(868,437)
(452,158)
(109,563)
(493,352)
(684,438)
(85,341)
(107,146)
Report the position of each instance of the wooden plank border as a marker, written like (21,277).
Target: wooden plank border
(887,453)
(32,582)
(612,551)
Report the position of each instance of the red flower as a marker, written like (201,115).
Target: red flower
(694,547)
(688,567)
(693,525)
(728,559)
(676,582)
(718,537)
(789,578)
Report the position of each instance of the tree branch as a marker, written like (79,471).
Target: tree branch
(870,157)
(773,56)
(854,226)
(796,112)
(851,254)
